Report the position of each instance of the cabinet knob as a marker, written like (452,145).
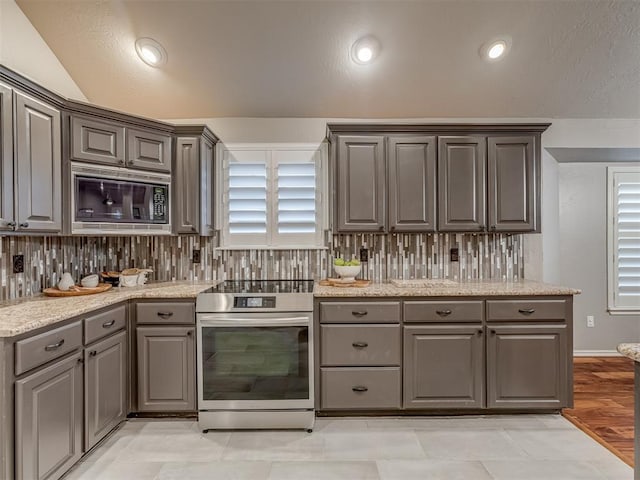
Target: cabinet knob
(80,361)
(359,388)
(493,332)
(121,162)
(189,333)
(381,228)
(360,344)
(24,225)
(93,353)
(11,224)
(443,313)
(479,331)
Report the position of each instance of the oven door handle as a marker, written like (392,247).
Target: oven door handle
(254,322)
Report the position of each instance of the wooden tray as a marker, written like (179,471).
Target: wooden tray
(334,282)
(77,291)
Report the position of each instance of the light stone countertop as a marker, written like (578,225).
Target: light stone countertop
(21,316)
(630,350)
(480,288)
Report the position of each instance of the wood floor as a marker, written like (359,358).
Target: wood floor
(603,402)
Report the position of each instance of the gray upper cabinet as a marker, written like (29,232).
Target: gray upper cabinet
(97,141)
(461,184)
(412,183)
(6,158)
(105,387)
(360,176)
(148,150)
(48,416)
(186,183)
(443,366)
(512,184)
(527,366)
(38,165)
(166,369)
(207,182)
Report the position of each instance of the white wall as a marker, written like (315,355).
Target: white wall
(23,50)
(583,257)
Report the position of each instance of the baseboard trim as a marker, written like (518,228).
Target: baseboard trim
(596,353)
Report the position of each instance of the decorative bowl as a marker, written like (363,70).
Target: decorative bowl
(347,273)
(90,281)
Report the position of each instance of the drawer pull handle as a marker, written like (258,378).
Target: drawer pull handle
(526,311)
(360,389)
(108,324)
(54,346)
(93,353)
(165,314)
(359,313)
(360,344)
(443,313)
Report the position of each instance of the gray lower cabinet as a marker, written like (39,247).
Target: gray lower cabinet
(461,184)
(6,158)
(412,183)
(193,185)
(443,366)
(48,420)
(105,387)
(166,368)
(512,184)
(527,366)
(148,150)
(361,184)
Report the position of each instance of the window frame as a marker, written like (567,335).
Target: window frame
(273,239)
(614,307)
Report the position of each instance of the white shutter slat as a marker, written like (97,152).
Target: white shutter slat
(297,199)
(247,198)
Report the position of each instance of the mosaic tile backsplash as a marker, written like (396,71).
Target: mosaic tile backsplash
(403,256)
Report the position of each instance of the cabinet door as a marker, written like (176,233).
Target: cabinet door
(207,179)
(6,158)
(48,416)
(443,367)
(186,186)
(513,199)
(105,387)
(166,369)
(527,366)
(461,184)
(38,165)
(148,150)
(360,177)
(96,141)
(412,184)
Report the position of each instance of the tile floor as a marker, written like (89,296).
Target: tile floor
(517,447)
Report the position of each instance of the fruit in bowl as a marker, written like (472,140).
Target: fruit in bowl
(347,270)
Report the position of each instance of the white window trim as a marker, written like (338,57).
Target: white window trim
(612,240)
(322,185)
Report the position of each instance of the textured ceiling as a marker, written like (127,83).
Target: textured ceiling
(569,59)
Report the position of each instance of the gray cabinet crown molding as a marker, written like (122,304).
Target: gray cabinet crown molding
(434,128)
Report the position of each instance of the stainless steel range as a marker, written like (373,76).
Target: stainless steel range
(255,355)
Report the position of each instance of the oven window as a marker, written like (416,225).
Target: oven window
(255,363)
(120,201)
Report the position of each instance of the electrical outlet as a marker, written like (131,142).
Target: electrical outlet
(18,264)
(591,322)
(195,256)
(455,255)
(364,255)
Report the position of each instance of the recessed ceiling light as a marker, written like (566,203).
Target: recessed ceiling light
(151,52)
(496,49)
(365,50)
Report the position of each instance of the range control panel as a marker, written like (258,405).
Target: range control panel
(254,302)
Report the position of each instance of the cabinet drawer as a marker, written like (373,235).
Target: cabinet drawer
(454,311)
(360,312)
(360,388)
(165,312)
(525,310)
(104,324)
(40,349)
(349,345)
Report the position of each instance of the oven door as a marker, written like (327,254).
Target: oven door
(250,361)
